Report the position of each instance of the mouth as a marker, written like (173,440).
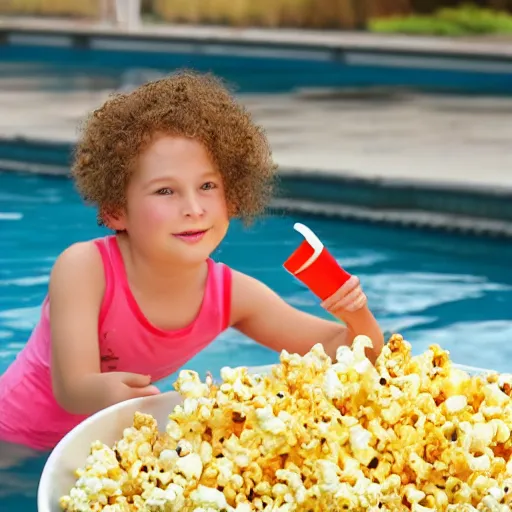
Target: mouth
(192,235)
(192,232)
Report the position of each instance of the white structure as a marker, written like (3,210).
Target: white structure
(123,13)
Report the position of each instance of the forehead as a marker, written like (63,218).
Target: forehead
(174,156)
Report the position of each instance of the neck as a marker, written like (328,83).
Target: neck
(159,274)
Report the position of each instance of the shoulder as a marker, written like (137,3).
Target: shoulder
(83,253)
(79,262)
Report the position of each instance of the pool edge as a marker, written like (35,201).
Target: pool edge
(448,206)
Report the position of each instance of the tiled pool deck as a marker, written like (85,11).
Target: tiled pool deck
(382,141)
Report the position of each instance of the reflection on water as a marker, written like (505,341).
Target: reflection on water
(18,481)
(433,288)
(55,77)
(411,292)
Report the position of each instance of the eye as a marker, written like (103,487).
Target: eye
(209,185)
(164,192)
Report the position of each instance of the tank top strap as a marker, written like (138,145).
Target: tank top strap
(104,246)
(219,298)
(226,281)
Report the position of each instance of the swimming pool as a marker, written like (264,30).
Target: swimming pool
(431,287)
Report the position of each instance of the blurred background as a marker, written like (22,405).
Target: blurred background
(390,121)
(439,17)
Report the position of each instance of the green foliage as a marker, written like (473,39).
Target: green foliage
(460,21)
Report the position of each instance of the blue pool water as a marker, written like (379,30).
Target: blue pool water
(257,72)
(431,287)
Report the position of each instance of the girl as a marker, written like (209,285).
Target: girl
(167,166)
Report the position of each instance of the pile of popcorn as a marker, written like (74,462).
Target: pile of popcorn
(410,433)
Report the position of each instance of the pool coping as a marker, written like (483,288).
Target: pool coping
(414,203)
(454,207)
(484,56)
(471,47)
(415,219)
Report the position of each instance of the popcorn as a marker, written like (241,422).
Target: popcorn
(455,404)
(410,433)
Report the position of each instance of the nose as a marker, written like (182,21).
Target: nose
(192,206)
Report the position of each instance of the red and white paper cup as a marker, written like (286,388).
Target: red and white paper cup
(315,266)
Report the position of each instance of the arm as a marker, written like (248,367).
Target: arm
(349,304)
(261,314)
(76,289)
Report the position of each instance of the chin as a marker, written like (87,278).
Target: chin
(193,255)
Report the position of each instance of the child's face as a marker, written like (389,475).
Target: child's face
(176,206)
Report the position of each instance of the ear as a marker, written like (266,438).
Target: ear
(114,221)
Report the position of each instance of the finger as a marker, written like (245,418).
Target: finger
(349,299)
(136,380)
(357,304)
(345,299)
(350,308)
(339,294)
(145,391)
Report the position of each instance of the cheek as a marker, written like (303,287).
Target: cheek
(222,209)
(154,212)
(219,205)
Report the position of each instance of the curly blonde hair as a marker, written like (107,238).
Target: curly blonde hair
(186,104)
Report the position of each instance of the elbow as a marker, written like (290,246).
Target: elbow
(73,409)
(68,402)
(72,400)
(63,393)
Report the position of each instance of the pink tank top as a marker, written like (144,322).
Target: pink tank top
(30,415)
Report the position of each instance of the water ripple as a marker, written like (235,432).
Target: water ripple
(20,318)
(11,216)
(408,292)
(25,281)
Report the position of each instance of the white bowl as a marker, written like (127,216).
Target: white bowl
(107,426)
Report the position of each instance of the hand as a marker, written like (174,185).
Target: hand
(347,299)
(134,385)
(140,385)
(95,391)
